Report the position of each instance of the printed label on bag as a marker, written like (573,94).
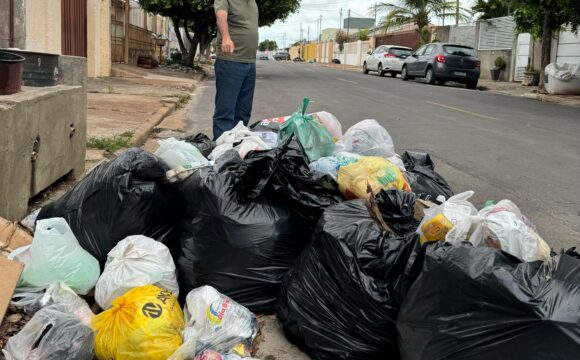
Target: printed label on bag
(152,310)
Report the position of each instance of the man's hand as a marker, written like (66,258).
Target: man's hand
(227,46)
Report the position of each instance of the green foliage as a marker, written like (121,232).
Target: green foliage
(530,69)
(111,144)
(182,100)
(340,38)
(363,35)
(500,63)
(268,45)
(539,16)
(418,12)
(272,10)
(489,9)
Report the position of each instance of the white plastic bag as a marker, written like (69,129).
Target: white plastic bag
(504,227)
(330,122)
(247,141)
(331,164)
(33,299)
(136,261)
(216,322)
(180,154)
(440,220)
(55,255)
(58,331)
(367,138)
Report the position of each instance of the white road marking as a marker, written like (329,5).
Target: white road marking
(348,81)
(461,110)
(308,69)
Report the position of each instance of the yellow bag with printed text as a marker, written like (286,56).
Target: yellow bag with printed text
(145,323)
(379,173)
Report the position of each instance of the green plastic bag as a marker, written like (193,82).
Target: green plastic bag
(313,136)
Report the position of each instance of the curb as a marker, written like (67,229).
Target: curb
(145,129)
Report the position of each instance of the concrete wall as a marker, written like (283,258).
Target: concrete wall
(43,26)
(43,137)
(462,35)
(488,57)
(98,38)
(19,24)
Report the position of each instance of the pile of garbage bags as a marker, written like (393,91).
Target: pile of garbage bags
(362,253)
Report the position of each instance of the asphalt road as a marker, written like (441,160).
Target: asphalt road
(499,146)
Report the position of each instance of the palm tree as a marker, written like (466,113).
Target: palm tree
(489,9)
(419,12)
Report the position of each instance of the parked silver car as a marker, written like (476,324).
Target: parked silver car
(386,59)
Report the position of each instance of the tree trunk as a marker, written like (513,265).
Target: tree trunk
(182,47)
(546,48)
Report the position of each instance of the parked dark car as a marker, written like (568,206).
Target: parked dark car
(335,61)
(439,63)
(282,56)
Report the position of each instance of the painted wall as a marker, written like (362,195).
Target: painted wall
(43,26)
(98,38)
(19,24)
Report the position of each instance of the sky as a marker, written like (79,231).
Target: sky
(309,14)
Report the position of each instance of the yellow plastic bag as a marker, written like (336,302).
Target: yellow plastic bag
(377,172)
(145,323)
(435,229)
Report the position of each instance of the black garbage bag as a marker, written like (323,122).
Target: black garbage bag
(341,299)
(397,209)
(241,249)
(203,143)
(481,303)
(126,196)
(423,178)
(283,174)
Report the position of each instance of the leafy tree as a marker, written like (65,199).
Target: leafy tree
(543,19)
(418,12)
(273,10)
(340,38)
(363,35)
(489,9)
(268,45)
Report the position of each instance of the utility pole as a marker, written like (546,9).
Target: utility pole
(348,24)
(457,13)
(340,19)
(284,44)
(375,14)
(308,33)
(320,29)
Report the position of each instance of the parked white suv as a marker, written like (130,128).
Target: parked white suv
(387,59)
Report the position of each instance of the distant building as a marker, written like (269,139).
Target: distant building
(358,23)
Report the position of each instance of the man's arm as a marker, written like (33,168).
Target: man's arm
(222,23)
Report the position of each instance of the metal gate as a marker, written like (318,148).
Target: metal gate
(522,55)
(74,27)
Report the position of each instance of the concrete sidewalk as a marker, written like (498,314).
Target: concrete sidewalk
(505,88)
(134,103)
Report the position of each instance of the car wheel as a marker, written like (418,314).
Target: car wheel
(393,74)
(380,70)
(365,70)
(472,85)
(404,75)
(430,76)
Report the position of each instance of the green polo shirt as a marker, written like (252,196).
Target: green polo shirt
(243,27)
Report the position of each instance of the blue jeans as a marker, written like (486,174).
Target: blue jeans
(235,84)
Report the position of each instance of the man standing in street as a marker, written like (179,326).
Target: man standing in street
(235,67)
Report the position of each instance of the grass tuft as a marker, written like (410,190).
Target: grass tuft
(111,144)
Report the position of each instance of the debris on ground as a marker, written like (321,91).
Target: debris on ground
(260,223)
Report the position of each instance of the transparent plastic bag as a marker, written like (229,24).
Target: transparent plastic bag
(144,323)
(330,122)
(58,331)
(314,138)
(55,255)
(33,299)
(376,172)
(180,154)
(367,138)
(440,220)
(134,262)
(331,164)
(217,323)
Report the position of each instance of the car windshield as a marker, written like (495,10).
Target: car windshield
(400,52)
(459,50)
